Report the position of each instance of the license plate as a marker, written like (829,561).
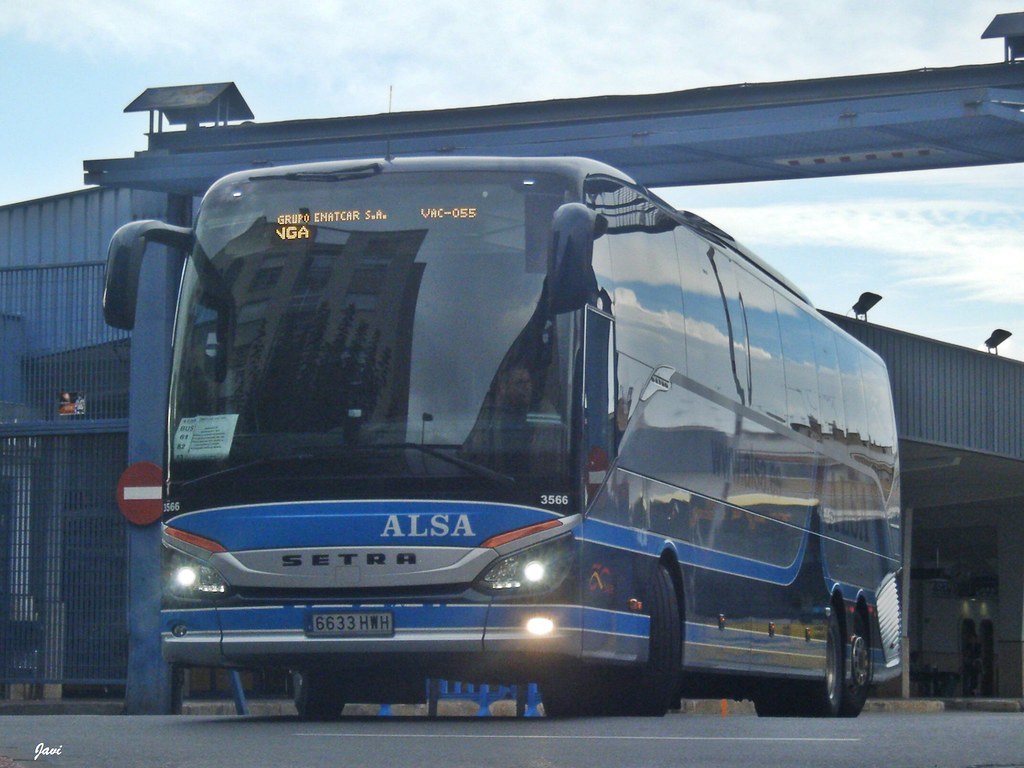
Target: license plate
(351,624)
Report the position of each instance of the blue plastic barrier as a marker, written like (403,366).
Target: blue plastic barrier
(527,702)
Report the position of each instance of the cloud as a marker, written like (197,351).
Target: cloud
(444,53)
(972,246)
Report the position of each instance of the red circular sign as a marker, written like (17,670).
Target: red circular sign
(140,493)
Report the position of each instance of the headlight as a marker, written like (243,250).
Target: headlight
(539,568)
(188,578)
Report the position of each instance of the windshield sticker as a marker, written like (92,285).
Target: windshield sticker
(205,437)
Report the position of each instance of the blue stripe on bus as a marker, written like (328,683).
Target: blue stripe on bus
(653,544)
(357,523)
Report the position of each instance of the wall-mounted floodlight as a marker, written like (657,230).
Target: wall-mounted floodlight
(998,337)
(866,301)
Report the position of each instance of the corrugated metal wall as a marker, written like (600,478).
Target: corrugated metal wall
(71,228)
(63,441)
(950,395)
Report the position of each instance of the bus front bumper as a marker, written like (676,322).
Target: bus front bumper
(284,634)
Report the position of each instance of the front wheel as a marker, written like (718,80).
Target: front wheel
(657,688)
(581,691)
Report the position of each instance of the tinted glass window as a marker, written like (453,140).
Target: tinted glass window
(801,373)
(853,391)
(709,353)
(342,318)
(878,401)
(767,373)
(647,303)
(830,390)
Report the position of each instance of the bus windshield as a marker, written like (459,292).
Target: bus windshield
(349,332)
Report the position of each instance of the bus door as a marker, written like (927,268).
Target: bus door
(599,387)
(610,631)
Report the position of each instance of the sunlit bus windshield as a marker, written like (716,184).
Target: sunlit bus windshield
(391,324)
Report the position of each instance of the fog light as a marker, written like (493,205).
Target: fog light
(540,626)
(179,630)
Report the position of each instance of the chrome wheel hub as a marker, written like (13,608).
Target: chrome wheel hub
(860,661)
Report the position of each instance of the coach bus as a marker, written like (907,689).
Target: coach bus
(514,420)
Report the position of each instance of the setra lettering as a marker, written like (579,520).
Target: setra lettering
(324,559)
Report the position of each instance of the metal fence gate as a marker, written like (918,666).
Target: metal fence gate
(63,445)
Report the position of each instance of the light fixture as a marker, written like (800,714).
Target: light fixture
(540,626)
(186,577)
(534,572)
(535,569)
(998,337)
(866,301)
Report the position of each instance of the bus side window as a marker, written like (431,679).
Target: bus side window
(767,374)
(830,390)
(801,376)
(878,400)
(707,324)
(646,297)
(853,392)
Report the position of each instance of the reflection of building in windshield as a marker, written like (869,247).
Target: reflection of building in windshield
(323,331)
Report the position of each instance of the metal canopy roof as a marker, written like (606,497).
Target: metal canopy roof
(931,118)
(194,104)
(1009,26)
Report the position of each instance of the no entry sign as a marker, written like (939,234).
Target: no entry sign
(140,493)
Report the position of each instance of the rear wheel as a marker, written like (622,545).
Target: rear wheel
(855,691)
(318,695)
(830,696)
(821,698)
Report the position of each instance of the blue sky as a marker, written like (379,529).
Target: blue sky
(945,248)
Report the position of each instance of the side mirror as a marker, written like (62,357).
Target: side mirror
(571,279)
(124,263)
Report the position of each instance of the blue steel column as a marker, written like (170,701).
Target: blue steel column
(149,677)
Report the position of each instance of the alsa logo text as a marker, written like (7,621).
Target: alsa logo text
(426,526)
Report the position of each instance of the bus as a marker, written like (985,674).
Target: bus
(513,419)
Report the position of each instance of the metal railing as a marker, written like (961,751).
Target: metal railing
(63,444)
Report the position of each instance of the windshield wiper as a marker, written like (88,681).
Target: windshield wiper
(470,466)
(342,174)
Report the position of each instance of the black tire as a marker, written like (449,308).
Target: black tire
(657,688)
(584,691)
(318,696)
(821,698)
(858,651)
(829,693)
